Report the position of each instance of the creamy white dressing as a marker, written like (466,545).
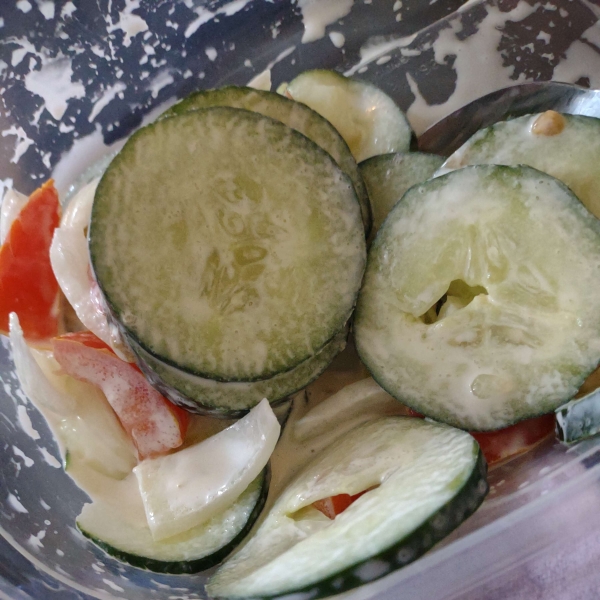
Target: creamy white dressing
(262,81)
(16,504)
(25,423)
(480,69)
(337,39)
(129,23)
(22,141)
(476,76)
(55,85)
(317,14)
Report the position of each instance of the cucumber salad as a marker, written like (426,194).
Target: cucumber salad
(170,319)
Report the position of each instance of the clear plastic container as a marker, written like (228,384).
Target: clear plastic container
(76,78)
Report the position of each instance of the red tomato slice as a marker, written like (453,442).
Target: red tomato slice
(154,424)
(497,446)
(505,443)
(27,283)
(334,505)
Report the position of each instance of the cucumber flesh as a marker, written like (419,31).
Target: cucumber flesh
(231,399)
(388,176)
(429,478)
(125,534)
(564,146)
(366,117)
(211,235)
(514,258)
(293,114)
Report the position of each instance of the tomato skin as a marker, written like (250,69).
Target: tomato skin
(497,446)
(155,425)
(28,286)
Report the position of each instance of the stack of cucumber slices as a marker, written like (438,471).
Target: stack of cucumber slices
(228,239)
(230,248)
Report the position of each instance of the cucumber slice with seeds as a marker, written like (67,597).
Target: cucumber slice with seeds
(366,117)
(233,399)
(564,146)
(294,115)
(128,538)
(429,478)
(388,176)
(212,234)
(480,304)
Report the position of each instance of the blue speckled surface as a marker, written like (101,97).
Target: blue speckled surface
(167,59)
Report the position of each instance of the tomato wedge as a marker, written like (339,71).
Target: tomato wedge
(334,505)
(497,446)
(155,425)
(27,283)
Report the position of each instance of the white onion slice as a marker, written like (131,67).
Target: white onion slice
(12,204)
(70,261)
(186,488)
(33,381)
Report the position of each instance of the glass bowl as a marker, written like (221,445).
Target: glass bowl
(77,77)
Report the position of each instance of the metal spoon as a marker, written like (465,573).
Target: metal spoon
(448,134)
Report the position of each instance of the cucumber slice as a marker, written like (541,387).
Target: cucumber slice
(366,117)
(233,399)
(211,235)
(430,477)
(579,418)
(294,115)
(514,258)
(388,176)
(128,538)
(564,146)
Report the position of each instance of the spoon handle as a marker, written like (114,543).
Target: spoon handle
(448,134)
